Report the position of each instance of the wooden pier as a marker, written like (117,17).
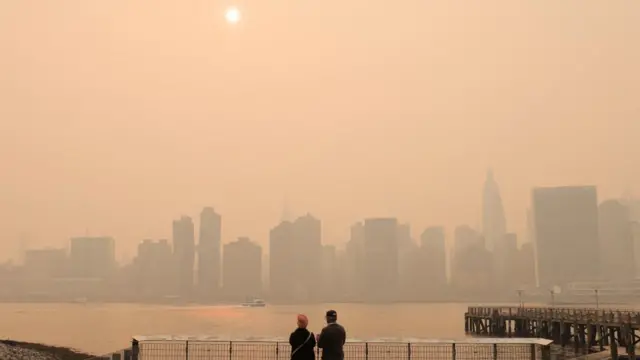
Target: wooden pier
(582,328)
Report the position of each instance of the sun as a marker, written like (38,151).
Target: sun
(232,15)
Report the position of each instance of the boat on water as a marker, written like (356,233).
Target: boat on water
(254,302)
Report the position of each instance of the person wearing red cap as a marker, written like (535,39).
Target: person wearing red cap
(332,338)
(302,341)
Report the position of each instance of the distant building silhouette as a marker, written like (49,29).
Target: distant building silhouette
(330,284)
(494,228)
(282,263)
(46,263)
(381,259)
(472,264)
(242,270)
(616,241)
(184,255)
(209,254)
(511,262)
(150,269)
(566,230)
(92,257)
(408,259)
(355,263)
(433,259)
(525,270)
(307,232)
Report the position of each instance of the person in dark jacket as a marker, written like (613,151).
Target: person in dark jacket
(332,338)
(302,341)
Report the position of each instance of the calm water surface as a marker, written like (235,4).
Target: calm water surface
(100,328)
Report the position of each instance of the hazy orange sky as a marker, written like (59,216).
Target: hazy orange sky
(118,116)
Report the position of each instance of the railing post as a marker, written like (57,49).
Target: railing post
(366,350)
(546,352)
(453,351)
(135,349)
(186,350)
(277,349)
(409,351)
(230,349)
(533,351)
(495,351)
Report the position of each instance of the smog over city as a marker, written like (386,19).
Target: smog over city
(217,167)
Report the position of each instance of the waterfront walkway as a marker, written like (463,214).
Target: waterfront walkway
(583,328)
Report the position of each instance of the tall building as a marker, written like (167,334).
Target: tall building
(525,270)
(408,260)
(511,255)
(616,241)
(330,281)
(566,230)
(471,266)
(307,232)
(381,259)
(432,247)
(209,253)
(295,260)
(151,273)
(354,263)
(184,255)
(242,270)
(494,228)
(283,264)
(92,257)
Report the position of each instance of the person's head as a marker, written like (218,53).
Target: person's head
(303,321)
(331,316)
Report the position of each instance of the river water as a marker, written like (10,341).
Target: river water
(100,328)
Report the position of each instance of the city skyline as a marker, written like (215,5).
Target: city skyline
(415,232)
(380,262)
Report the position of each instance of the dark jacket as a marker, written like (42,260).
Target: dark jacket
(331,341)
(298,338)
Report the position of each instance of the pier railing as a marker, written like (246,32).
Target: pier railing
(581,314)
(204,348)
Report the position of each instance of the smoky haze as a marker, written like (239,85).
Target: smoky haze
(117,117)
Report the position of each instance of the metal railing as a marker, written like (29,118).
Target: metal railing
(197,348)
(556,313)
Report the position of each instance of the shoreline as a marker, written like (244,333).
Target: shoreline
(12,349)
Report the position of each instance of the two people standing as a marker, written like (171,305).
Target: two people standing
(331,339)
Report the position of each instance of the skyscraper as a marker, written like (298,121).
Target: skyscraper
(184,255)
(566,230)
(494,228)
(307,233)
(355,263)
(242,270)
(471,264)
(432,246)
(407,261)
(282,263)
(209,253)
(381,259)
(151,270)
(616,241)
(494,224)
